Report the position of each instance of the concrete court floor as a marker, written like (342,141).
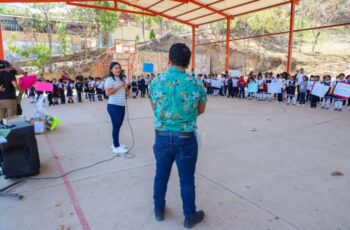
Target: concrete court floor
(277,177)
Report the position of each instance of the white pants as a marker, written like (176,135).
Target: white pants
(338,104)
(289,96)
(326,102)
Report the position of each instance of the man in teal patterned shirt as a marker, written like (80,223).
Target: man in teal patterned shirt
(177,98)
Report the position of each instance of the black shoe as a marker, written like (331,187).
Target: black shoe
(198,217)
(159,215)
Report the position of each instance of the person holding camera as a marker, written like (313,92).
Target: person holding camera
(8,86)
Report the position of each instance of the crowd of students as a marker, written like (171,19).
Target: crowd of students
(68,90)
(295,89)
(63,88)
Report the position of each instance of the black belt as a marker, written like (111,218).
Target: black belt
(172,133)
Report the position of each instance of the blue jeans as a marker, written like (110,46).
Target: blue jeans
(116,113)
(302,98)
(241,92)
(184,151)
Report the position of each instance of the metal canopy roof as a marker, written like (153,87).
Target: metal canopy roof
(189,12)
(200,12)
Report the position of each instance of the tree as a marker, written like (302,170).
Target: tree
(12,48)
(137,38)
(86,24)
(63,39)
(47,11)
(106,20)
(159,21)
(41,54)
(152,35)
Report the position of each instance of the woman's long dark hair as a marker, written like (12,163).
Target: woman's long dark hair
(111,66)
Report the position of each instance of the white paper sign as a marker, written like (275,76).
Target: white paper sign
(253,87)
(234,73)
(310,84)
(216,84)
(342,90)
(39,126)
(274,88)
(319,90)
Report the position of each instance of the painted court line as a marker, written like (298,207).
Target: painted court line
(79,212)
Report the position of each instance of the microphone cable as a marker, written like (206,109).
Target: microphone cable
(128,155)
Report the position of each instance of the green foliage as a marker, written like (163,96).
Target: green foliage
(152,35)
(12,48)
(106,20)
(5,9)
(62,37)
(137,38)
(39,52)
(270,21)
(42,55)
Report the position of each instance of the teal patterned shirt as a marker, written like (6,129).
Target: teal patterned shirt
(176,96)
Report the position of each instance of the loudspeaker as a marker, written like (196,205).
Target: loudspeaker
(20,155)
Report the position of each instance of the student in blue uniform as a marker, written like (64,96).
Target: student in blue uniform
(79,87)
(70,86)
(134,88)
(61,88)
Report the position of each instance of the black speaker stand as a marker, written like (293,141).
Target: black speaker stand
(4,191)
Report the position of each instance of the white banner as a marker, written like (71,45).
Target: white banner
(234,73)
(274,88)
(342,90)
(319,90)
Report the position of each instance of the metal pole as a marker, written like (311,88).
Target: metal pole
(228,34)
(193,48)
(2,54)
(291,34)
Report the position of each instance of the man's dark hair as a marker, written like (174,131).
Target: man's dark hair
(4,64)
(180,54)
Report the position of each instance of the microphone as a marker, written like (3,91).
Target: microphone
(122,77)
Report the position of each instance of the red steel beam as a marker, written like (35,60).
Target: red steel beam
(157,13)
(228,34)
(243,4)
(2,53)
(249,12)
(193,48)
(216,20)
(192,19)
(154,4)
(115,8)
(179,15)
(171,8)
(291,36)
(209,8)
(279,33)
(42,1)
(264,8)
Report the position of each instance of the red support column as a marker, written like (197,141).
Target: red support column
(193,48)
(228,35)
(291,35)
(2,54)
